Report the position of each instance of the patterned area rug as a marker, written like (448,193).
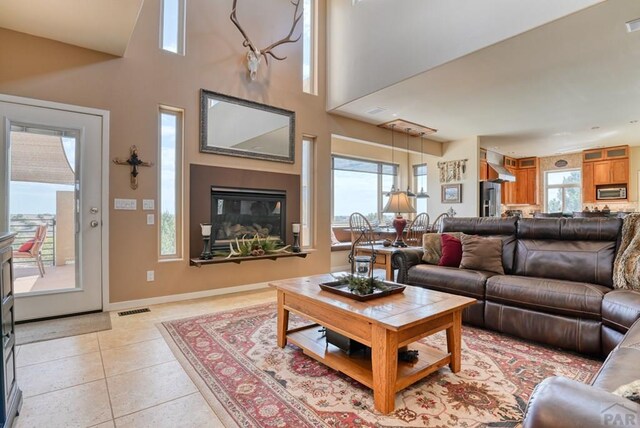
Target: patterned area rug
(250,382)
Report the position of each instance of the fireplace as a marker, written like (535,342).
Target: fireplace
(238,212)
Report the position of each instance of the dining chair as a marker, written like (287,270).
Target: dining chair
(418,227)
(437,223)
(360,227)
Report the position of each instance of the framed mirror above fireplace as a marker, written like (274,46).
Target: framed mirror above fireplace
(236,127)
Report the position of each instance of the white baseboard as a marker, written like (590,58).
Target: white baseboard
(129,304)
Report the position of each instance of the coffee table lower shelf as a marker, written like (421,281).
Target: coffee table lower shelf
(358,367)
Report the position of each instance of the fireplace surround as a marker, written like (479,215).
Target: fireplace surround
(240,212)
(203,177)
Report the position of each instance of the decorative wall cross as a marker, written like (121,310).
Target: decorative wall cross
(134,162)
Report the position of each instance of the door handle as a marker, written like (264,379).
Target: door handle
(94,223)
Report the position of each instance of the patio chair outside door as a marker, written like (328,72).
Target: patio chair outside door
(35,250)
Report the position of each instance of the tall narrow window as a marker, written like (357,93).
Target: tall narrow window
(172,26)
(307,191)
(309,47)
(170,183)
(420,184)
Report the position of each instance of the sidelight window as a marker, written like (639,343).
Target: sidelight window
(170,201)
(172,26)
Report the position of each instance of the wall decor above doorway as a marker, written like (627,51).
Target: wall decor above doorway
(236,127)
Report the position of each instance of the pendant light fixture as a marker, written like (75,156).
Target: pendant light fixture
(409,192)
(393,185)
(422,193)
(398,203)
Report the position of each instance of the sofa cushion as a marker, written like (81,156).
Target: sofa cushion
(463,282)
(552,296)
(481,253)
(570,229)
(581,261)
(432,247)
(504,228)
(451,251)
(620,309)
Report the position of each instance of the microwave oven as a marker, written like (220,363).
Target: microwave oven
(611,193)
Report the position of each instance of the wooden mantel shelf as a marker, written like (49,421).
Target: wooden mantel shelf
(217,260)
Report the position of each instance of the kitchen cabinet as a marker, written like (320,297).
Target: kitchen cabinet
(11,394)
(484,166)
(620,171)
(603,167)
(601,172)
(588,186)
(525,189)
(595,155)
(611,172)
(532,186)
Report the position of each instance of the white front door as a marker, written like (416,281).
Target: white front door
(52,157)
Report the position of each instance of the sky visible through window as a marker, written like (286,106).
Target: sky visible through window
(168,163)
(306,45)
(170,25)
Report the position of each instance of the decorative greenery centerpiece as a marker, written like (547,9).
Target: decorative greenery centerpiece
(363,285)
(256,247)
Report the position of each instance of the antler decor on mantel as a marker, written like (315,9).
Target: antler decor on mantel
(254,56)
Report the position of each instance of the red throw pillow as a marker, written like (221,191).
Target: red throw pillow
(24,248)
(451,251)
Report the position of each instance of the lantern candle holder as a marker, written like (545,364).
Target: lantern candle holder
(206,237)
(295,228)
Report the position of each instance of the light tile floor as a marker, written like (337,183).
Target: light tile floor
(124,377)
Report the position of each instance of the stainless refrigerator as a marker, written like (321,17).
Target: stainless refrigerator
(490,199)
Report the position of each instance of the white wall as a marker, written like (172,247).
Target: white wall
(455,150)
(376,43)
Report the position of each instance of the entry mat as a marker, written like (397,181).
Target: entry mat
(62,327)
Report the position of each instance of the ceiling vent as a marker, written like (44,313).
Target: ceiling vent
(376,110)
(633,25)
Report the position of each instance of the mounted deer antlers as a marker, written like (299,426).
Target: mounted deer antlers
(254,55)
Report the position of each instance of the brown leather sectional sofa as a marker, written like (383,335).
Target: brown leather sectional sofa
(561,402)
(557,287)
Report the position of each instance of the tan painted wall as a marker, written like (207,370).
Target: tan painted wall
(133,87)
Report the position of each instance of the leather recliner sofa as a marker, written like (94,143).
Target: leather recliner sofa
(561,402)
(557,286)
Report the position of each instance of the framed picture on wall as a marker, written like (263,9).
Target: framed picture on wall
(451,193)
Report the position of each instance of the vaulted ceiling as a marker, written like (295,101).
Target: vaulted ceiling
(101,25)
(570,84)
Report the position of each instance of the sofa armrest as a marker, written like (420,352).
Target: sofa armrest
(562,402)
(620,309)
(403,259)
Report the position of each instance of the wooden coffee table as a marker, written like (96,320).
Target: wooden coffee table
(384,324)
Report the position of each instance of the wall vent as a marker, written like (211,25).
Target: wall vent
(133,312)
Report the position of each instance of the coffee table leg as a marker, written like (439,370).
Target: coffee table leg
(384,360)
(454,341)
(283,321)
